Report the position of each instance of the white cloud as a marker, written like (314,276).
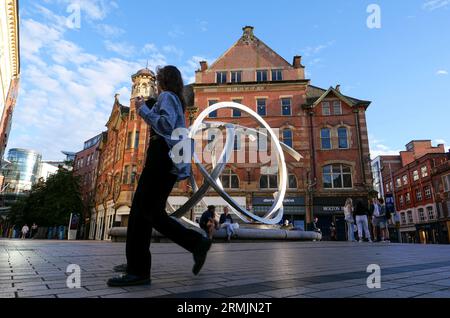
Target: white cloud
(176,32)
(66,93)
(94,10)
(171,49)
(203,25)
(121,48)
(432,5)
(193,64)
(378,148)
(442,142)
(109,31)
(442,72)
(314,50)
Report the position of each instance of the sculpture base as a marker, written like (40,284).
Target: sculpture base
(245,233)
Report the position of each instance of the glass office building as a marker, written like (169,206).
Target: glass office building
(22,171)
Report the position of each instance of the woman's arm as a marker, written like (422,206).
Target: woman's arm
(163,118)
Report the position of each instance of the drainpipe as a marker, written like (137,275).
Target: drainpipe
(311,180)
(361,157)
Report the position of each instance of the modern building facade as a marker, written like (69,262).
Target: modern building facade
(9,67)
(326,127)
(47,169)
(21,173)
(383,168)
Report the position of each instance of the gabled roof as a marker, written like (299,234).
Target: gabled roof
(123,110)
(248,41)
(315,95)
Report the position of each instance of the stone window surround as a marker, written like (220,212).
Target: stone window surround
(352,166)
(334,136)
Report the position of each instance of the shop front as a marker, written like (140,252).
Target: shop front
(433,233)
(409,235)
(294,209)
(330,210)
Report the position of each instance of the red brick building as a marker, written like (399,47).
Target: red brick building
(441,185)
(328,128)
(412,186)
(121,160)
(85,167)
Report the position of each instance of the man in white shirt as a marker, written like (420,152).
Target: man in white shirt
(25,230)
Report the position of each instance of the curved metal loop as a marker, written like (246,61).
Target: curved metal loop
(275,213)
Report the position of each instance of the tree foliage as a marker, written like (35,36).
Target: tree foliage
(49,203)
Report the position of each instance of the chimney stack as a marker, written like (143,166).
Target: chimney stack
(203,66)
(297,61)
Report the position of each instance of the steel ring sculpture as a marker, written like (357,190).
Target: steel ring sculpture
(275,214)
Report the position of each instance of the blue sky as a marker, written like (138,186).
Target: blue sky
(70,73)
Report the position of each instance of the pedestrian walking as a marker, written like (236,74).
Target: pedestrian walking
(383,222)
(361,214)
(156,183)
(25,230)
(349,220)
(34,229)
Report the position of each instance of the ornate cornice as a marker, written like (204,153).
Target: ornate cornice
(12,20)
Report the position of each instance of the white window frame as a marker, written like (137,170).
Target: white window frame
(221,73)
(424,171)
(328,107)
(321,139)
(290,106)
(334,107)
(422,215)
(428,193)
(235,73)
(410,216)
(431,216)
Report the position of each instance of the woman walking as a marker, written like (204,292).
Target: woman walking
(155,185)
(348,212)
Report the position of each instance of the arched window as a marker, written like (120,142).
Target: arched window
(268,181)
(343,137)
(230,180)
(337,176)
(292,182)
(287,137)
(325,136)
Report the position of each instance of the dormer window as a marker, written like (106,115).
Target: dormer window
(337,108)
(277,75)
(236,77)
(221,77)
(262,76)
(326,110)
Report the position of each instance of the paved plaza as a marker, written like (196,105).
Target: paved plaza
(239,270)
